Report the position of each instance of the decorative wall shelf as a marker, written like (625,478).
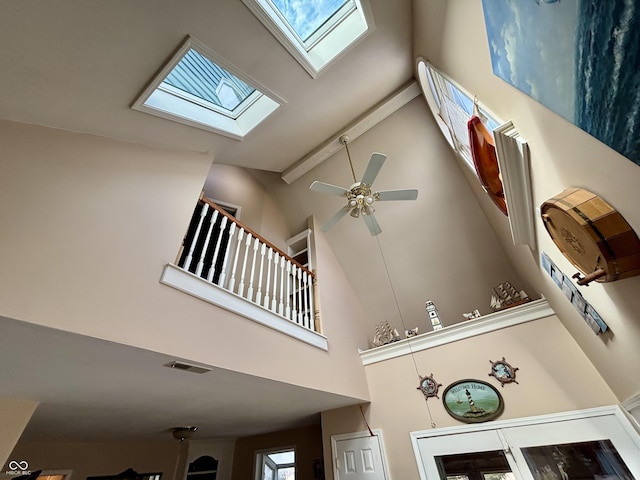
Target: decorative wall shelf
(488,323)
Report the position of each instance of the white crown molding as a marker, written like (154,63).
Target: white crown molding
(632,404)
(494,321)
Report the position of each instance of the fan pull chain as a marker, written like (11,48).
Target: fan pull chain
(404,327)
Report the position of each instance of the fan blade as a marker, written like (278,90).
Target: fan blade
(387,195)
(375,164)
(372,224)
(328,188)
(333,220)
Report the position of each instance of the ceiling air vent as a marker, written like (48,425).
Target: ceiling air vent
(187,367)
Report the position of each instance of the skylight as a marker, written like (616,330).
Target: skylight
(315,32)
(307,19)
(199,88)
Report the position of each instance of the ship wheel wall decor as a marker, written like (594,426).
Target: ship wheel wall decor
(503,371)
(429,387)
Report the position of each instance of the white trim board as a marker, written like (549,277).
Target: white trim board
(369,120)
(488,323)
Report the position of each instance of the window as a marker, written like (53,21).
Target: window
(452,107)
(314,32)
(199,88)
(276,465)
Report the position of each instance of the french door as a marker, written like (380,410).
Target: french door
(598,444)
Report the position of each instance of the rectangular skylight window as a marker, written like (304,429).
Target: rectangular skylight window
(198,79)
(199,88)
(307,19)
(315,32)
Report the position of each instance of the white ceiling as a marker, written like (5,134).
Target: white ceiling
(79,65)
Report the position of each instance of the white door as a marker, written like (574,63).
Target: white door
(359,456)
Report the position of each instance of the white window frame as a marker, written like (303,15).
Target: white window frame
(262,457)
(178,106)
(325,45)
(424,68)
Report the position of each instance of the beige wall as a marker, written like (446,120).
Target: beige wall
(443,237)
(554,375)
(562,156)
(14,416)
(237,186)
(92,223)
(306,441)
(100,458)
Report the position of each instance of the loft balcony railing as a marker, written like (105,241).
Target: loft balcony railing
(219,249)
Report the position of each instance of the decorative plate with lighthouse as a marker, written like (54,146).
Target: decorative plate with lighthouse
(472,401)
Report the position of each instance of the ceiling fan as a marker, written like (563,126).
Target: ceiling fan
(360,197)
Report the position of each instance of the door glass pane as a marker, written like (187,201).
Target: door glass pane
(474,466)
(597,460)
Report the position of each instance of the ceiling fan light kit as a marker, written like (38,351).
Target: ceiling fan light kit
(360,197)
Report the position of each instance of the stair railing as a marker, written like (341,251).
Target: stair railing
(226,253)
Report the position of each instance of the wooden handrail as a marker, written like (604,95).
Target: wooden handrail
(255,235)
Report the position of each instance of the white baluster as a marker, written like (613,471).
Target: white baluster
(281,303)
(232,280)
(274,300)
(292,281)
(227,252)
(203,213)
(291,307)
(312,307)
(299,289)
(305,286)
(266,290)
(256,242)
(263,249)
(247,243)
(216,251)
(207,239)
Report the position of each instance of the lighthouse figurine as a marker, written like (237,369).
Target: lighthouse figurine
(432,312)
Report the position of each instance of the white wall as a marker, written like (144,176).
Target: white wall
(562,156)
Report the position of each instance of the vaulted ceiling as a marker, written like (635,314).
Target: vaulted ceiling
(79,66)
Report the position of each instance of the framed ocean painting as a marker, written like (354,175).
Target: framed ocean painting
(580,58)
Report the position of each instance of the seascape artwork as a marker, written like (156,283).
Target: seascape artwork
(580,58)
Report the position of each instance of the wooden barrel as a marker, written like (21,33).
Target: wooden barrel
(592,235)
